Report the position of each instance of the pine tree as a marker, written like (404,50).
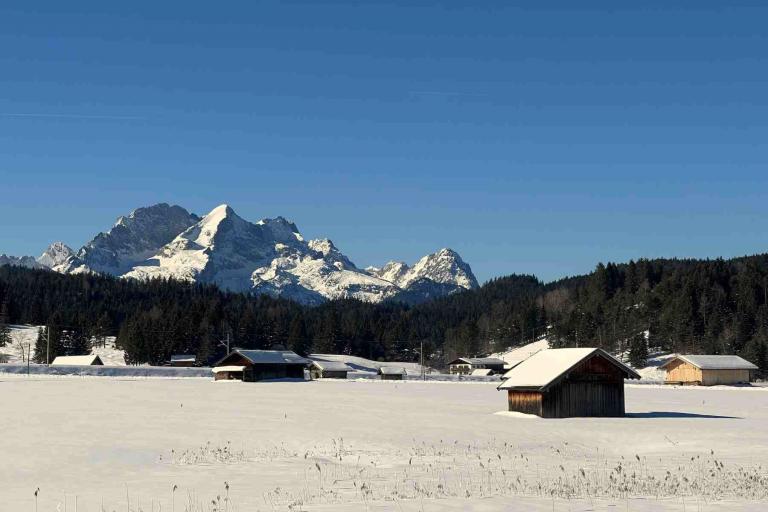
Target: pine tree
(5,335)
(298,341)
(5,331)
(638,351)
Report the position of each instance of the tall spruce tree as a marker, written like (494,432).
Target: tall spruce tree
(638,350)
(5,331)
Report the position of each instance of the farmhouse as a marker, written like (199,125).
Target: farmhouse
(90,360)
(706,370)
(392,373)
(465,365)
(183,360)
(328,369)
(568,382)
(255,365)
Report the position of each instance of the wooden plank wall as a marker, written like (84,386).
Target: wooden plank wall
(584,399)
(680,371)
(528,402)
(714,377)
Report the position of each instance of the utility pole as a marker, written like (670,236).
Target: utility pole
(225,343)
(48,345)
(421,353)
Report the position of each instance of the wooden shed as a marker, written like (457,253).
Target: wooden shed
(466,365)
(183,360)
(319,369)
(392,373)
(708,370)
(89,360)
(255,365)
(568,382)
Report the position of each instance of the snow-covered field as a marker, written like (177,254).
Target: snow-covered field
(117,445)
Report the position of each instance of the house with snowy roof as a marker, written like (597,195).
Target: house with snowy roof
(89,360)
(319,369)
(466,365)
(183,360)
(568,382)
(255,365)
(708,370)
(392,373)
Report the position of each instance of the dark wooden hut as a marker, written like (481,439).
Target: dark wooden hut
(568,382)
(183,360)
(392,373)
(254,365)
(328,369)
(466,365)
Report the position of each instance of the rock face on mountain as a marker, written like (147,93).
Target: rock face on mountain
(269,256)
(56,254)
(131,240)
(20,261)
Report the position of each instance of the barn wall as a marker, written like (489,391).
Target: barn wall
(328,374)
(593,388)
(680,371)
(714,377)
(584,399)
(528,402)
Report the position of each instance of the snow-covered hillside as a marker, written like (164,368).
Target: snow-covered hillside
(519,354)
(269,256)
(363,365)
(23,338)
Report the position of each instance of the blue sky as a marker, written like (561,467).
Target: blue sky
(532,137)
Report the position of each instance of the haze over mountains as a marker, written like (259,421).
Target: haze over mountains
(269,256)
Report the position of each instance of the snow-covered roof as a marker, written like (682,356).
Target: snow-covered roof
(332,366)
(269,357)
(481,372)
(475,361)
(178,358)
(219,369)
(77,360)
(392,370)
(709,362)
(545,368)
(519,354)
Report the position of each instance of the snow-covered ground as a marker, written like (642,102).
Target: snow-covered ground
(352,445)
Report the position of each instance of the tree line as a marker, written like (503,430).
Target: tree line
(688,306)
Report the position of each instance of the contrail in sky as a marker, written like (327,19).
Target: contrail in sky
(71,116)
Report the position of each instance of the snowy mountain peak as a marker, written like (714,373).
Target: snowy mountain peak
(56,254)
(269,256)
(394,271)
(325,247)
(445,267)
(132,239)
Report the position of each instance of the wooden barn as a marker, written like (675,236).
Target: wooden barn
(466,365)
(392,373)
(568,382)
(707,370)
(328,369)
(90,360)
(255,365)
(183,360)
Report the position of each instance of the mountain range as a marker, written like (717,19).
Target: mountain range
(266,257)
